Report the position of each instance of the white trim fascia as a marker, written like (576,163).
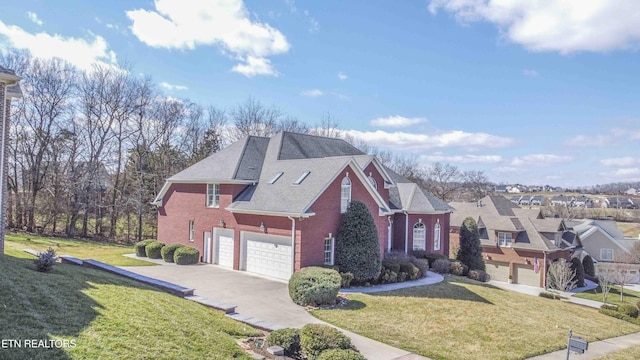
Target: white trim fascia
(9,79)
(269,213)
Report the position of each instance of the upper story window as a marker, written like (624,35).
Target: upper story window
(606,254)
(345,194)
(436,236)
(504,239)
(419,236)
(373,182)
(213,195)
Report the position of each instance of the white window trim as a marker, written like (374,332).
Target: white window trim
(501,244)
(213,196)
(436,237)
(192,231)
(332,252)
(345,197)
(602,258)
(420,226)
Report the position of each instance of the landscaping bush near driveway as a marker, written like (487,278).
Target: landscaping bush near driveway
(153,249)
(140,247)
(316,338)
(314,286)
(288,339)
(168,252)
(186,255)
(341,354)
(479,275)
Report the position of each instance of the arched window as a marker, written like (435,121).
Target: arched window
(345,194)
(373,182)
(419,237)
(436,236)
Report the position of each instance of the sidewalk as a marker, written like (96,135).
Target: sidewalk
(596,349)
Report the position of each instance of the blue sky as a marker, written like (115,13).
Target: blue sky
(534,92)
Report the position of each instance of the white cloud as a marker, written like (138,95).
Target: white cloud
(506,170)
(82,53)
(462,159)
(530,73)
(620,162)
(171,87)
(562,26)
(413,141)
(342,76)
(396,121)
(312,92)
(34,17)
(606,138)
(628,172)
(187,24)
(540,160)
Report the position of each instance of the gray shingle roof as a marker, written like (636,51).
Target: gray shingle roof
(410,197)
(303,146)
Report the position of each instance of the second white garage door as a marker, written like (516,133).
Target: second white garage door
(225,251)
(497,271)
(268,255)
(525,275)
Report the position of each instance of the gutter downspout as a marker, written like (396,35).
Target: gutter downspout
(2,174)
(544,276)
(293,244)
(406,232)
(389,228)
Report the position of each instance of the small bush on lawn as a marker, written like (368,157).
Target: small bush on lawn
(341,354)
(45,260)
(316,338)
(609,307)
(186,255)
(459,269)
(140,246)
(479,275)
(618,315)
(314,286)
(629,310)
(422,265)
(153,250)
(411,270)
(347,278)
(168,251)
(391,264)
(388,277)
(551,296)
(288,339)
(442,266)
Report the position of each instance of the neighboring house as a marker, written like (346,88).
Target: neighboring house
(607,246)
(273,205)
(514,190)
(632,192)
(538,200)
(502,188)
(513,239)
(582,201)
(9,88)
(562,200)
(621,203)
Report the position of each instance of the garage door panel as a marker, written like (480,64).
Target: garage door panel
(268,255)
(497,271)
(225,251)
(525,275)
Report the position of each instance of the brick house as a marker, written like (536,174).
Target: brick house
(273,205)
(9,88)
(514,239)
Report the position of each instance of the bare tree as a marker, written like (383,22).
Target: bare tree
(605,280)
(560,276)
(443,180)
(292,124)
(253,118)
(328,127)
(476,182)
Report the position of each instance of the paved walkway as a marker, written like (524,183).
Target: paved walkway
(535,291)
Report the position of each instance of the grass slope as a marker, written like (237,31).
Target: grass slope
(82,249)
(108,317)
(464,319)
(630,296)
(631,353)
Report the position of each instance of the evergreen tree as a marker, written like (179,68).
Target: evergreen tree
(357,248)
(470,252)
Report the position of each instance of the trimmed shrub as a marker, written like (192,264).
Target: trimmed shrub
(433,257)
(470,252)
(347,278)
(186,255)
(411,270)
(341,354)
(314,286)
(391,264)
(168,251)
(140,247)
(153,250)
(388,277)
(45,260)
(589,268)
(618,315)
(479,275)
(629,310)
(458,268)
(316,338)
(288,339)
(421,254)
(576,266)
(551,296)
(422,265)
(357,248)
(442,266)
(609,307)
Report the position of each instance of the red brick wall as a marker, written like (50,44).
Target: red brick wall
(429,220)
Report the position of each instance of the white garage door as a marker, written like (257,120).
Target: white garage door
(268,255)
(225,251)
(497,271)
(525,275)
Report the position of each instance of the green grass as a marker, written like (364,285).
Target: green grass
(630,296)
(631,353)
(107,317)
(464,319)
(83,249)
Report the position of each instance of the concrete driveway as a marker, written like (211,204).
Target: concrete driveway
(257,297)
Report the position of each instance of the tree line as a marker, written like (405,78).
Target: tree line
(90,149)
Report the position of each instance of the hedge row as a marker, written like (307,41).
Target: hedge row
(178,253)
(314,342)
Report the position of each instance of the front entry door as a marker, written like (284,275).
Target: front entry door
(208,247)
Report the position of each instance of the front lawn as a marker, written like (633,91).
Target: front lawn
(106,317)
(464,319)
(83,249)
(630,296)
(631,353)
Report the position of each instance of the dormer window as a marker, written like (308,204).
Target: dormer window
(504,239)
(345,195)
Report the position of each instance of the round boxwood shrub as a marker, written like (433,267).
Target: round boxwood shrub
(341,354)
(316,338)
(288,339)
(186,255)
(442,266)
(140,247)
(153,249)
(314,286)
(168,251)
(628,309)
